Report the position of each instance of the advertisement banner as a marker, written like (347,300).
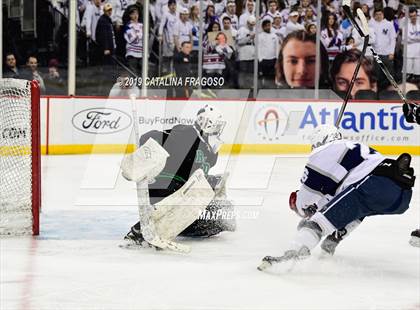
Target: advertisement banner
(81,125)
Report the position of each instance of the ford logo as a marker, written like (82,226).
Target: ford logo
(101,120)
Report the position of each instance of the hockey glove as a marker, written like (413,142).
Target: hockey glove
(411,112)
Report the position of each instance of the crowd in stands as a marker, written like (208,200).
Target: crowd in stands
(110,36)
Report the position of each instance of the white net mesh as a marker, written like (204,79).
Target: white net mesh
(15,157)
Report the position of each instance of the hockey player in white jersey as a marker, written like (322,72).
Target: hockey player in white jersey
(342,183)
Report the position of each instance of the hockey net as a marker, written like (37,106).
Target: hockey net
(20,186)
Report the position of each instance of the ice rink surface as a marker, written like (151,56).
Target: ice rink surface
(87,209)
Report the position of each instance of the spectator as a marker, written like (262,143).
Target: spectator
(182,29)
(250,11)
(413,47)
(309,17)
(216,62)
(210,16)
(219,7)
(227,27)
(105,36)
(54,83)
(230,12)
(384,45)
(278,28)
(306,5)
(182,65)
(33,73)
(133,35)
(349,45)
(295,67)
(184,4)
(195,32)
(342,70)
(293,24)
(272,10)
(90,19)
(246,52)
(11,70)
(139,5)
(268,51)
(311,29)
(331,37)
(89,22)
(166,35)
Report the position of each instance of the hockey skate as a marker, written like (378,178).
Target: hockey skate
(290,257)
(330,243)
(134,239)
(415,238)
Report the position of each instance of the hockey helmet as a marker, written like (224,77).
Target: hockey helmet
(324,134)
(210,120)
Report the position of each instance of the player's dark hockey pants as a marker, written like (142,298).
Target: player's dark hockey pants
(373,195)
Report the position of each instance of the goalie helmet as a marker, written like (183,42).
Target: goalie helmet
(210,120)
(324,134)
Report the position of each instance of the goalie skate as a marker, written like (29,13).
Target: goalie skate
(288,260)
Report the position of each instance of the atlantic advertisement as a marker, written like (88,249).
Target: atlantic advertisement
(82,121)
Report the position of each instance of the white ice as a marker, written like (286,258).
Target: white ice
(76,263)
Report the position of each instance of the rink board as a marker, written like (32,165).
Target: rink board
(100,125)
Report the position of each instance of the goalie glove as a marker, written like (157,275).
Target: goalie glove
(411,112)
(145,163)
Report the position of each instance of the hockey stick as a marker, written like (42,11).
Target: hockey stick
(346,7)
(364,33)
(145,209)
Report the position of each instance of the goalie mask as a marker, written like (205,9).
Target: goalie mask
(210,120)
(324,134)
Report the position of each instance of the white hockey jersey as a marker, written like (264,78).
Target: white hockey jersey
(333,167)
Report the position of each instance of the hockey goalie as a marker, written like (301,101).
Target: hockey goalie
(176,194)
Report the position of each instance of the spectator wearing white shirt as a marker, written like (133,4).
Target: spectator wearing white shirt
(413,46)
(278,28)
(331,37)
(230,12)
(166,35)
(219,6)
(246,52)
(133,35)
(183,29)
(293,24)
(268,52)
(384,45)
(90,18)
(250,11)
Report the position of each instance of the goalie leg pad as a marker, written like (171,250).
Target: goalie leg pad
(179,210)
(217,217)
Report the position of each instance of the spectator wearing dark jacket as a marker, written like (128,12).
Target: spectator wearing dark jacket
(10,69)
(105,35)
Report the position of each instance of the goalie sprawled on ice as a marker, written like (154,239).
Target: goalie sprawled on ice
(183,199)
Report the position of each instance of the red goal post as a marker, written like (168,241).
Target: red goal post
(20,157)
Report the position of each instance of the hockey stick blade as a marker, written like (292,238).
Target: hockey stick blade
(269,262)
(363,20)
